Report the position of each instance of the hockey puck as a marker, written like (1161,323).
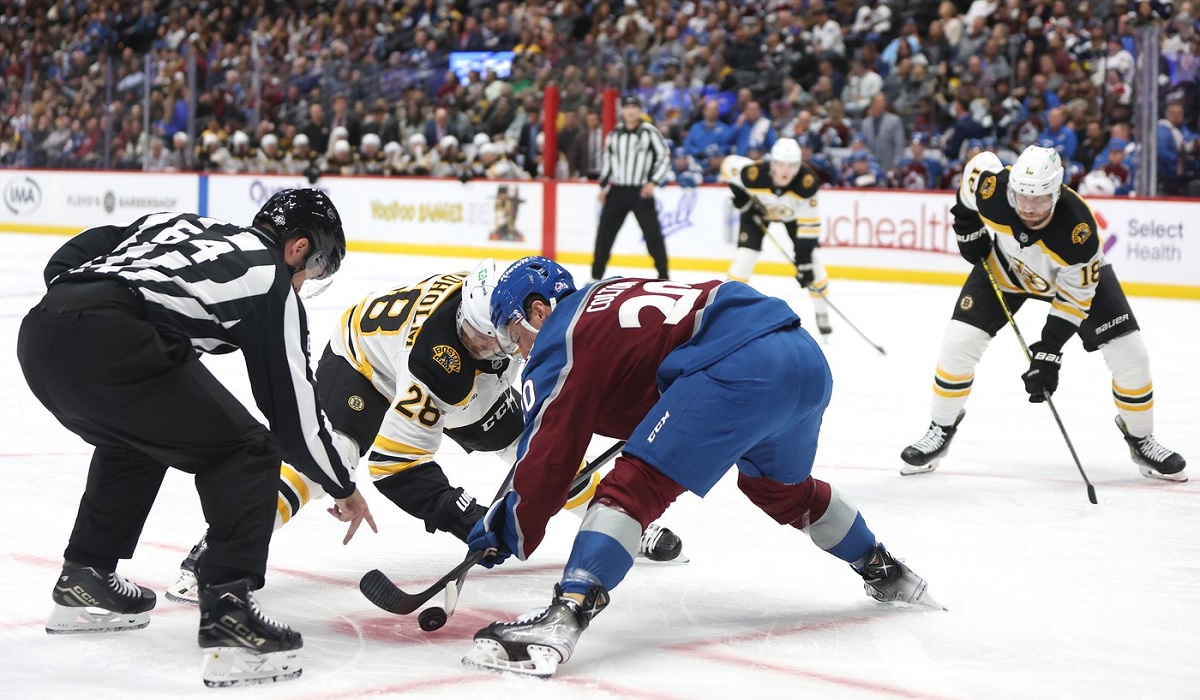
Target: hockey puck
(432,619)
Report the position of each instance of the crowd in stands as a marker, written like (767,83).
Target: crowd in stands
(880,93)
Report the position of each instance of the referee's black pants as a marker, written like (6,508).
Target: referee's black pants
(145,401)
(617,205)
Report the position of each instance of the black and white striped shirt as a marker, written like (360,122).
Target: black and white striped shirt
(226,288)
(634,157)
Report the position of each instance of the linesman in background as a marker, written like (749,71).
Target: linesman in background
(635,160)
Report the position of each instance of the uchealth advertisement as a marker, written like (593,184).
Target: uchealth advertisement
(400,211)
(62,202)
(1153,245)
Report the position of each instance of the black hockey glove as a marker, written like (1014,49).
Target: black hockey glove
(1042,377)
(804,275)
(973,243)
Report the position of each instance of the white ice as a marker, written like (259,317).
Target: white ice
(1049,596)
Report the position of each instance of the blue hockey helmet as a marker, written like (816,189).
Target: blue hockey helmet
(524,278)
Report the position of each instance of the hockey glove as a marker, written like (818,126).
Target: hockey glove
(974,244)
(496,531)
(804,275)
(1042,378)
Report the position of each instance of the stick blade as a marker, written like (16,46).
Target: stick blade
(379,589)
(1092,494)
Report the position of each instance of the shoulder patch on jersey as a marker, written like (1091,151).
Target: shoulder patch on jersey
(1081,233)
(448,358)
(752,173)
(356,403)
(988,188)
(807,181)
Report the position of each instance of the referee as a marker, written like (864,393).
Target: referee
(635,160)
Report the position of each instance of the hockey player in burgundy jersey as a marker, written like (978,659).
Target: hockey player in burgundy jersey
(653,362)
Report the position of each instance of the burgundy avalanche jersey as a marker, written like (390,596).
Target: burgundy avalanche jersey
(600,363)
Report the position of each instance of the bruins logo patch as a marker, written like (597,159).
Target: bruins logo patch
(967,302)
(807,181)
(356,403)
(1081,233)
(752,173)
(988,188)
(448,358)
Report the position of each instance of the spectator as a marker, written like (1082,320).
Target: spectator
(1177,149)
(687,172)
(318,128)
(1062,138)
(863,172)
(826,32)
(1091,152)
(861,86)
(753,132)
(182,159)
(1115,167)
(572,143)
(708,131)
(884,133)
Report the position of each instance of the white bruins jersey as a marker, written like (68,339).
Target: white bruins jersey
(405,341)
(1060,262)
(796,203)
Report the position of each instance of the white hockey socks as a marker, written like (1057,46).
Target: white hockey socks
(1133,390)
(962,348)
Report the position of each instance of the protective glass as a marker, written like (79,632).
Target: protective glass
(509,337)
(318,275)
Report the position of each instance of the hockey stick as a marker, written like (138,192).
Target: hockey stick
(1091,490)
(824,296)
(380,590)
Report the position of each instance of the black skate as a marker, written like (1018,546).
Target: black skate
(661,544)
(186,589)
(244,646)
(535,644)
(1153,460)
(923,455)
(87,599)
(823,323)
(889,580)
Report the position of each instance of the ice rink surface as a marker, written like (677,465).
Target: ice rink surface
(1048,595)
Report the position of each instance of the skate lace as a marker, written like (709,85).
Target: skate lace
(531,615)
(1150,448)
(257,612)
(650,538)
(123,586)
(932,440)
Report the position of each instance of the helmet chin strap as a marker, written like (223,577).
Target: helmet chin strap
(529,327)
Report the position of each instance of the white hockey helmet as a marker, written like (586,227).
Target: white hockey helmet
(980,164)
(785,161)
(1034,185)
(339,133)
(448,141)
(270,141)
(480,139)
(417,140)
(240,139)
(474,312)
(300,140)
(370,143)
(341,147)
(392,148)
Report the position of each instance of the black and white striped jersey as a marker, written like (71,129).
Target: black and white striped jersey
(634,157)
(224,287)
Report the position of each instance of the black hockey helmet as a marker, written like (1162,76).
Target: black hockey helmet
(311,214)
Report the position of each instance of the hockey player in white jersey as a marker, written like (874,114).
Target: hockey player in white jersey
(1040,239)
(406,367)
(782,189)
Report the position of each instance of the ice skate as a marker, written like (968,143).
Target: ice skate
(535,644)
(924,455)
(90,600)
(186,589)
(243,646)
(1154,461)
(661,544)
(889,580)
(823,323)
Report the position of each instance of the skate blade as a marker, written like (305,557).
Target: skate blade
(69,620)
(227,667)
(920,599)
(185,590)
(681,559)
(1151,473)
(910,469)
(490,655)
